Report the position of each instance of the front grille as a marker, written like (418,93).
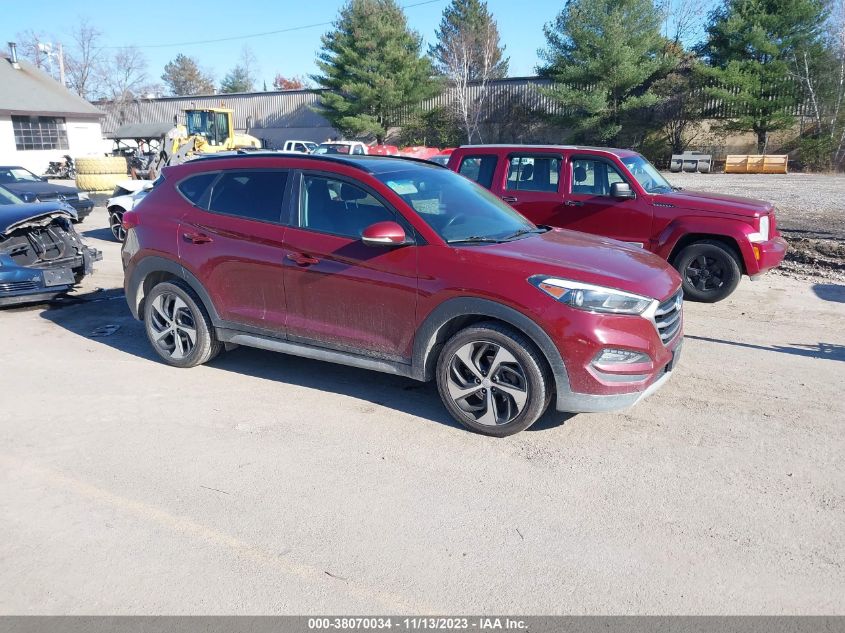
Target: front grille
(667,317)
(17,286)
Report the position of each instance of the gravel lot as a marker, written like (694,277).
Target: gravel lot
(263,483)
(808,204)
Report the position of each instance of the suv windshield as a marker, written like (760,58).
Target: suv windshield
(456,208)
(646,174)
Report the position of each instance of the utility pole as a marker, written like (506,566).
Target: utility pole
(62,64)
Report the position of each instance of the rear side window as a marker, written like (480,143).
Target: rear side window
(194,187)
(255,195)
(533,173)
(479,169)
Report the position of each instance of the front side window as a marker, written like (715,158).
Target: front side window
(255,195)
(646,174)
(39,132)
(334,206)
(456,208)
(479,169)
(533,173)
(593,177)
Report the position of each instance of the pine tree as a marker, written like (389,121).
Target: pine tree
(372,68)
(468,24)
(749,47)
(604,56)
(237,80)
(183,77)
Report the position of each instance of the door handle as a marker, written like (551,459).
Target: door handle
(509,199)
(196,238)
(574,203)
(301,259)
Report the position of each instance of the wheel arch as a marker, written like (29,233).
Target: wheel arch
(457,313)
(154,270)
(692,238)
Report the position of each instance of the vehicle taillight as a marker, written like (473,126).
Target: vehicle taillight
(130,220)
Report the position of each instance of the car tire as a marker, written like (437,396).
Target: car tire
(97,165)
(710,270)
(116,224)
(488,391)
(99,182)
(172,312)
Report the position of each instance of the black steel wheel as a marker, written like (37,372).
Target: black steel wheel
(710,271)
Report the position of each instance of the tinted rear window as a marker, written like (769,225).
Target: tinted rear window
(256,195)
(479,168)
(193,188)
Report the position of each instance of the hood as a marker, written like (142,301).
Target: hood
(40,188)
(13,215)
(706,201)
(590,259)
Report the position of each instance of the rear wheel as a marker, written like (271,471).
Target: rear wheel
(178,325)
(710,271)
(492,380)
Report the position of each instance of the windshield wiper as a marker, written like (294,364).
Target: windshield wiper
(474,239)
(520,232)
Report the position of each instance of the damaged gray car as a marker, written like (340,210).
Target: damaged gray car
(41,254)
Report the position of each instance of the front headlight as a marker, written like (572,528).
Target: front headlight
(83,195)
(764,228)
(590,297)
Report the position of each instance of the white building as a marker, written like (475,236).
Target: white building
(41,120)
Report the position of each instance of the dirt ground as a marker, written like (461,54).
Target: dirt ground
(263,483)
(810,214)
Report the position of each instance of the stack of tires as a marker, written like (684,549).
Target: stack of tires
(100,173)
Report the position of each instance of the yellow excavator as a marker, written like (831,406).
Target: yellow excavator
(206,131)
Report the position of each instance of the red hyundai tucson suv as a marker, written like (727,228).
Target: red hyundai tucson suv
(403,267)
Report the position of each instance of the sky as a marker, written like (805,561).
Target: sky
(164,28)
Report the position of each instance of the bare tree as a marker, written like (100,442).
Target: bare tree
(31,48)
(682,19)
(84,63)
(468,65)
(125,74)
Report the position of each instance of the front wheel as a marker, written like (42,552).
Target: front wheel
(492,380)
(116,225)
(710,271)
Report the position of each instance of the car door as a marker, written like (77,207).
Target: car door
(532,185)
(341,293)
(232,239)
(590,208)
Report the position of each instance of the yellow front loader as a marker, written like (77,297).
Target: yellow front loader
(206,131)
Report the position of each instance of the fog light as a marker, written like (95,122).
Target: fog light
(611,356)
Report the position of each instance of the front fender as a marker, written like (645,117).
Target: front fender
(733,231)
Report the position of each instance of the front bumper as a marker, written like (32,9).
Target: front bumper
(574,402)
(768,255)
(26,284)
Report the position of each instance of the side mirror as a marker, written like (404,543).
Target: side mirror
(29,197)
(384,234)
(621,190)
(44,179)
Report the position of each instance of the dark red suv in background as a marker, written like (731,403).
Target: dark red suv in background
(711,239)
(402,267)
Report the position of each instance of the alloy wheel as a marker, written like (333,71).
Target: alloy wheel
(487,382)
(705,273)
(173,327)
(116,226)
